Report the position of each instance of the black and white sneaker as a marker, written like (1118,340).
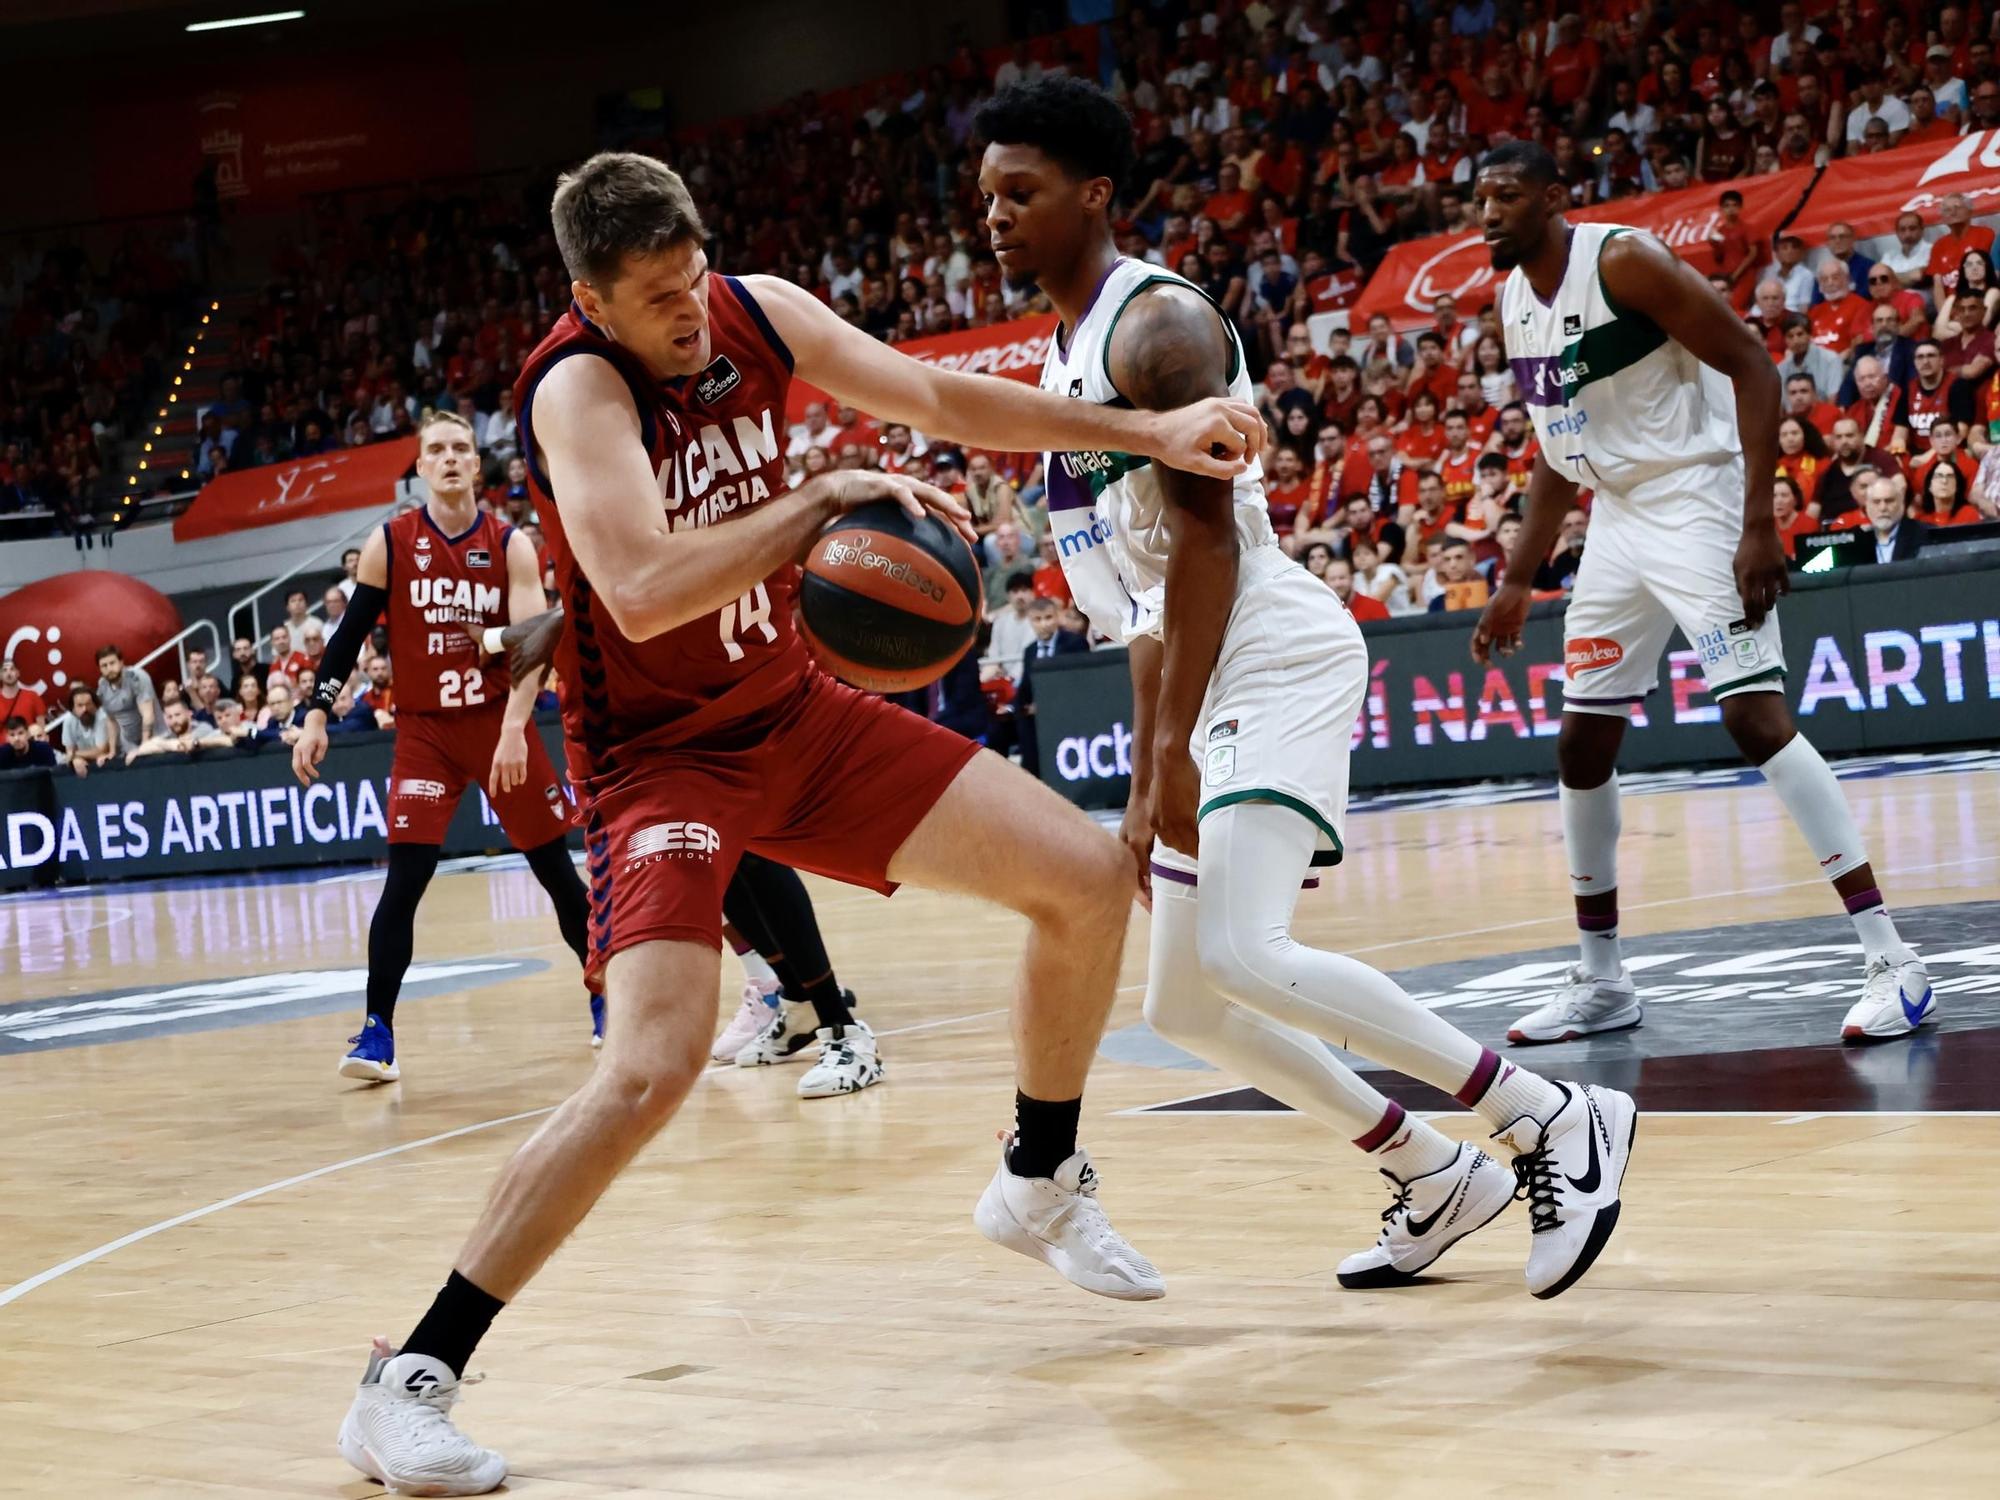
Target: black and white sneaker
(1429,1215)
(789,1037)
(1570,1171)
(847,1064)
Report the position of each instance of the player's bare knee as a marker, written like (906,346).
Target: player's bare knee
(1095,891)
(646,1090)
(1587,750)
(1759,723)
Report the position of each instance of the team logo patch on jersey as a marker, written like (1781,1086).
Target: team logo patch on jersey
(423,562)
(1589,652)
(717,381)
(1221,765)
(1572,324)
(1076,388)
(1746,652)
(479,557)
(1739,627)
(1223,731)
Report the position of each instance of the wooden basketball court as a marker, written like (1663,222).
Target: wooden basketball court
(200,1229)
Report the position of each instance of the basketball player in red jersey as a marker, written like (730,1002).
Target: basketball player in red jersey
(698,726)
(446,572)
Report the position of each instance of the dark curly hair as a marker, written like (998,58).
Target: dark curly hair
(1075,124)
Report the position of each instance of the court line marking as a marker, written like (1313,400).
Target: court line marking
(42,1278)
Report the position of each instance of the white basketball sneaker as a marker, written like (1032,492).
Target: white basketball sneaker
(1570,1170)
(1057,1220)
(847,1064)
(1896,998)
(788,1032)
(758,1010)
(1581,1006)
(398,1431)
(1429,1215)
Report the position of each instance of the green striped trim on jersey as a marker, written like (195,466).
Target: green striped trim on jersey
(1607,349)
(1320,857)
(1235,348)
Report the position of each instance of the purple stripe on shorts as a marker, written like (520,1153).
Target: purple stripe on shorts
(1179,877)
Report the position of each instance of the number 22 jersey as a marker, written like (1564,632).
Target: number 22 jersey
(444,591)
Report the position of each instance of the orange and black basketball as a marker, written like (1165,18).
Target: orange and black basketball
(889,603)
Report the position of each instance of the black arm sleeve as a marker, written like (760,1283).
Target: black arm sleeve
(336,664)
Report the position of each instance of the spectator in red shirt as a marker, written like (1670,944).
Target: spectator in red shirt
(1286,493)
(1842,319)
(1421,437)
(1802,400)
(24,702)
(1481,416)
(1731,252)
(1498,110)
(1879,412)
(1339,577)
(1965,336)
(1723,151)
(1933,397)
(1229,205)
(1573,69)
(1432,372)
(1788,509)
(1767,315)
(1948,251)
(1926,124)
(1941,486)
(1912,319)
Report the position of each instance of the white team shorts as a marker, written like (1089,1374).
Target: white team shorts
(1646,570)
(1279,718)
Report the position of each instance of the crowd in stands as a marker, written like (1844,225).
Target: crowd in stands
(84,346)
(1281,150)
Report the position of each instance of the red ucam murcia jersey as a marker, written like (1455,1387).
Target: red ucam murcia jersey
(444,591)
(717,444)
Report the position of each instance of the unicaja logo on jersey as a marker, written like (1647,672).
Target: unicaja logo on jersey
(1591,651)
(671,840)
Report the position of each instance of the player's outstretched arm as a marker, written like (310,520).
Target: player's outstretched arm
(650,577)
(1216,436)
(1550,497)
(1170,349)
(1642,275)
(371,592)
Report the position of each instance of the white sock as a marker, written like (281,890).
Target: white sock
(1811,794)
(1253,855)
(757,971)
(1591,822)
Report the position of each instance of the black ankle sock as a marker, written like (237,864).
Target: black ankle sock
(1044,1134)
(457,1321)
(828,1001)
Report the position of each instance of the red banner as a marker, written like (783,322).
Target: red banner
(1015,350)
(1870,192)
(1415,273)
(345,479)
(281,128)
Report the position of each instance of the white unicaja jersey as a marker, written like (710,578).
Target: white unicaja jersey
(1106,511)
(1620,408)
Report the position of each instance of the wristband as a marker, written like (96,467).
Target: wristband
(491,640)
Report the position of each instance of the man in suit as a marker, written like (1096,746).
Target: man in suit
(1050,640)
(1895,535)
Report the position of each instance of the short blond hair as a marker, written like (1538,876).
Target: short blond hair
(449,418)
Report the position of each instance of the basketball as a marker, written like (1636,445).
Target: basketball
(889,603)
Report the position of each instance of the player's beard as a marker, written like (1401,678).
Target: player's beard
(1503,260)
(1027,283)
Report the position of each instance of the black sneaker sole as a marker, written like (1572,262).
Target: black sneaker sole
(1600,1229)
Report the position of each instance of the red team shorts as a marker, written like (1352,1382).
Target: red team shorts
(438,754)
(827,779)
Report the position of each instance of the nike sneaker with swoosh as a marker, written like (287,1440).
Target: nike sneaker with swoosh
(1427,1216)
(1570,1170)
(1581,1006)
(1896,998)
(398,1431)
